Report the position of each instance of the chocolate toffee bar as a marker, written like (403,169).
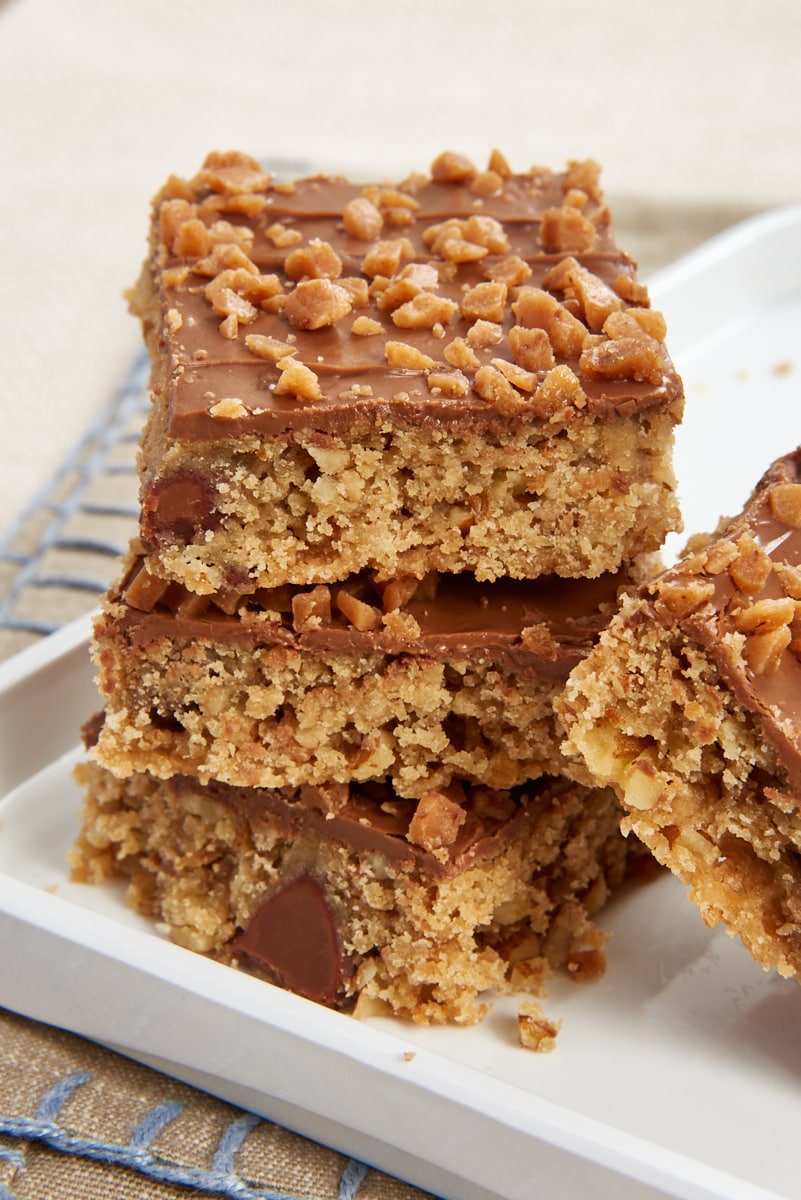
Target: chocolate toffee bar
(690,706)
(418,683)
(458,373)
(357,897)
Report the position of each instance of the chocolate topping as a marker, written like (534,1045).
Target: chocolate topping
(372,819)
(239,274)
(540,628)
(769,688)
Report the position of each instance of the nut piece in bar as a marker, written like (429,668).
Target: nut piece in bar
(457,373)
(690,707)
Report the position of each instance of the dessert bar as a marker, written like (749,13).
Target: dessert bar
(414,682)
(690,706)
(460,373)
(362,900)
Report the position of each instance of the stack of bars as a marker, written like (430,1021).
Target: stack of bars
(407,444)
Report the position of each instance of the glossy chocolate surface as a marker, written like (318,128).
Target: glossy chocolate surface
(203,366)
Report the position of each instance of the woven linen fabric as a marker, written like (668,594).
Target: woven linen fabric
(77,1120)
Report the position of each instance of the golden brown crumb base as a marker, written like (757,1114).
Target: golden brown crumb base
(460,373)
(414,682)
(689,707)
(247,875)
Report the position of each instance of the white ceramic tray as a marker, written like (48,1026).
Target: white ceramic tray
(678,1073)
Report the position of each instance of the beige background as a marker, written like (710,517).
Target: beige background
(693,106)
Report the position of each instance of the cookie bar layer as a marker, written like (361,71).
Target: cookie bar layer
(418,683)
(326,894)
(691,706)
(458,374)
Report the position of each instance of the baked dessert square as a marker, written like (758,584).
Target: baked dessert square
(460,373)
(359,899)
(690,707)
(416,683)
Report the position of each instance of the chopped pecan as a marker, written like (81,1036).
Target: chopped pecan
(536,1031)
(643,783)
